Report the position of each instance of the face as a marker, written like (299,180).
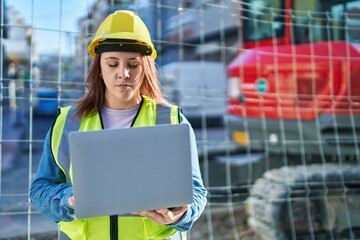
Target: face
(122,73)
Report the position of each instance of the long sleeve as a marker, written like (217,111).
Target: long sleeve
(200,192)
(49,191)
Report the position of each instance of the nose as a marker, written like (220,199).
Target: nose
(123,73)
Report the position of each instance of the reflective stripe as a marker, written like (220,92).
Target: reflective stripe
(167,115)
(56,136)
(71,125)
(162,114)
(63,236)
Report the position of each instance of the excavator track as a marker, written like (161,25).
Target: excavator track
(318,201)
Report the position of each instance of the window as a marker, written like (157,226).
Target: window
(263,19)
(332,20)
(344,19)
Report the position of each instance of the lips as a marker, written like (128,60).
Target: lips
(123,85)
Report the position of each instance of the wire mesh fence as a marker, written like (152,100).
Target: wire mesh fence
(270,87)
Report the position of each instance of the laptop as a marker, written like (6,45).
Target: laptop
(119,171)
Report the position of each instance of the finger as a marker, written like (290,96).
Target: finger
(71,201)
(141,213)
(149,214)
(163,215)
(178,212)
(154,216)
(180,209)
(168,216)
(163,211)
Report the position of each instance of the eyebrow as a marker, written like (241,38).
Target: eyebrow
(133,58)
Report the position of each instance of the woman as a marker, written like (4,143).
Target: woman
(123,91)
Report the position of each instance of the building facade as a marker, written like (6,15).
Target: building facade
(200,30)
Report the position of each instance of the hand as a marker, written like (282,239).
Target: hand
(164,216)
(71,201)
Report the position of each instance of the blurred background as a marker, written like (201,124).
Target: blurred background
(270,86)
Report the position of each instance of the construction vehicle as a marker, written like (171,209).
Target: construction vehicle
(294,95)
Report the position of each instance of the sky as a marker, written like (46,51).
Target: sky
(46,19)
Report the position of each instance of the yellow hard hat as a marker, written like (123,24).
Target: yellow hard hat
(122,31)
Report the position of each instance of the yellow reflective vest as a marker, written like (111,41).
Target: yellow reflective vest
(100,228)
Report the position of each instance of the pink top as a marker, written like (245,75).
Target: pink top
(118,118)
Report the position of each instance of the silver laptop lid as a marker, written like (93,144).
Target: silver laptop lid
(120,171)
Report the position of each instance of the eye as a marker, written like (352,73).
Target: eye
(112,65)
(133,64)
